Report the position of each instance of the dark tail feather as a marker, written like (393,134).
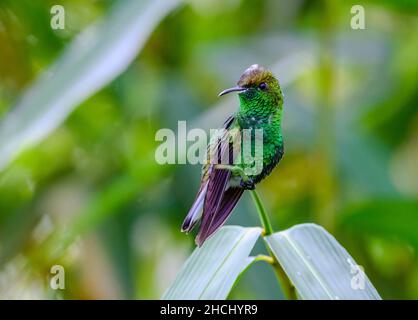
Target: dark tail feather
(228,203)
(217,182)
(195,212)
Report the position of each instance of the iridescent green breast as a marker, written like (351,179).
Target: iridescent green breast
(272,143)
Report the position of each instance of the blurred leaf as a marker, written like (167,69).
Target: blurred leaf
(364,162)
(211,271)
(90,62)
(318,266)
(384,218)
(407,6)
(107,203)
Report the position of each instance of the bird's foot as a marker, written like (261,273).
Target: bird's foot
(247,184)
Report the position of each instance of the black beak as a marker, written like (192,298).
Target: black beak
(236,89)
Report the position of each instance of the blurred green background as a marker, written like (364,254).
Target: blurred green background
(91,197)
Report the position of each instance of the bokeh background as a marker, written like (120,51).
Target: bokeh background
(89,195)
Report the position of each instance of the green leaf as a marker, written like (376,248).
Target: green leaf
(211,271)
(390,219)
(97,56)
(318,266)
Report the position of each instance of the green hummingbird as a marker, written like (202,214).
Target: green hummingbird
(222,184)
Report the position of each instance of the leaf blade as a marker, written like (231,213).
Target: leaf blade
(318,266)
(211,270)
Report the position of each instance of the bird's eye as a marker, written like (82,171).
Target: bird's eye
(263,86)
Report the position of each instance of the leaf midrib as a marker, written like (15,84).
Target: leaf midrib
(309,265)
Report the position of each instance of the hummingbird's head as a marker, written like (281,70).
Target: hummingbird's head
(257,86)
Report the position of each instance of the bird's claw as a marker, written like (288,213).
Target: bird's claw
(247,184)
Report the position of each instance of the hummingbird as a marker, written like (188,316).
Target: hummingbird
(222,185)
